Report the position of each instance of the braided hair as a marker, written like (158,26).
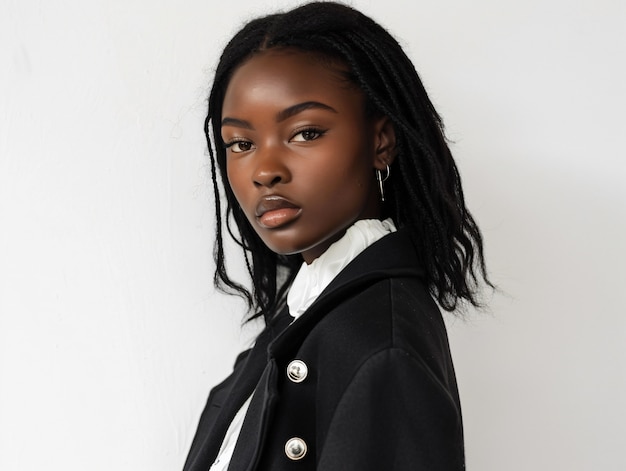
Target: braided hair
(423,194)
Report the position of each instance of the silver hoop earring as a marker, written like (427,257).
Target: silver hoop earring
(381,180)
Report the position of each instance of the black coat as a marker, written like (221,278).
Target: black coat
(378,393)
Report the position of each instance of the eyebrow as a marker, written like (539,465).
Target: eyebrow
(281,115)
(238,123)
(300,107)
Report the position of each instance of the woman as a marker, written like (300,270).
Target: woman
(350,213)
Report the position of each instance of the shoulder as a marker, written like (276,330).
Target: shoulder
(390,313)
(392,318)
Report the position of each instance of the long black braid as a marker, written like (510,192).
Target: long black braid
(424,193)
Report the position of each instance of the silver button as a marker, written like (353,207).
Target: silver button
(297,371)
(295,448)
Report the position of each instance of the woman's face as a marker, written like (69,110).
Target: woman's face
(301,153)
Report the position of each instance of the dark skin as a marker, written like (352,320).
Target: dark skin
(302,153)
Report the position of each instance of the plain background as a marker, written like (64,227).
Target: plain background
(110,331)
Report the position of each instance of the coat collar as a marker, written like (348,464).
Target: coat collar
(392,256)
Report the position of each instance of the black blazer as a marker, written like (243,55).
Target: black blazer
(372,386)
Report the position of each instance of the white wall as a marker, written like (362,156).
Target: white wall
(110,331)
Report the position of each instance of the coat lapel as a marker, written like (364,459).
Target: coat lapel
(244,382)
(253,432)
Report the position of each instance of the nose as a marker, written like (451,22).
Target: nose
(270,169)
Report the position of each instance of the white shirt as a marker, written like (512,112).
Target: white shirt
(312,279)
(308,284)
(230,439)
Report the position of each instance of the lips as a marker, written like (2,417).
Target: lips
(274,211)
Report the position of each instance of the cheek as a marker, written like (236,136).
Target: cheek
(335,188)
(350,173)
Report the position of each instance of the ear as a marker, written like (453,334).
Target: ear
(384,143)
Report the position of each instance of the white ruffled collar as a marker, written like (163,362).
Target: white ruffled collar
(312,279)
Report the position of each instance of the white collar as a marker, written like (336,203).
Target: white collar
(312,279)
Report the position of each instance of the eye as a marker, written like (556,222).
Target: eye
(308,134)
(238,145)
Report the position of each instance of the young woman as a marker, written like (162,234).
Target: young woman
(349,210)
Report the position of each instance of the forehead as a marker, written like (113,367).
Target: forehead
(285,75)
